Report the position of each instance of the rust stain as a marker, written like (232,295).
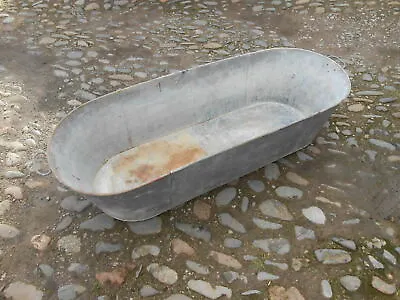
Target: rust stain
(155,159)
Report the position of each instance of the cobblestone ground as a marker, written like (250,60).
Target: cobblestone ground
(321,223)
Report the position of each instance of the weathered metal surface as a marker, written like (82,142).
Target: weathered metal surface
(146,163)
(148,148)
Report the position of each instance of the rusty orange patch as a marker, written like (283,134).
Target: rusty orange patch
(158,158)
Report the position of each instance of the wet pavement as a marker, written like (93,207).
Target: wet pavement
(322,223)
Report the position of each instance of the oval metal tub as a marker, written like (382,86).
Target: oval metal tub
(148,148)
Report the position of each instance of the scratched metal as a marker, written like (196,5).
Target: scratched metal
(145,149)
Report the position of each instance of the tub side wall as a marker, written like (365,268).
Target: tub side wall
(199,178)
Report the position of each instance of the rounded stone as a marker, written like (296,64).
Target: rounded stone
(145,250)
(276,209)
(350,283)
(227,220)
(326,289)
(256,185)
(8,231)
(315,215)
(262,276)
(288,192)
(297,179)
(232,243)
(382,286)
(148,291)
(207,290)
(271,171)
(21,291)
(151,226)
(163,273)
(225,196)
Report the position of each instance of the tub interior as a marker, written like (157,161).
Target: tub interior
(149,161)
(123,140)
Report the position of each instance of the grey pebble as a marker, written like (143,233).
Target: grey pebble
(279,245)
(281,266)
(262,276)
(225,196)
(151,226)
(288,192)
(350,283)
(70,291)
(163,273)
(389,257)
(258,8)
(303,156)
(382,286)
(78,268)
(256,185)
(46,270)
(314,214)
(244,204)
(367,77)
(64,224)
(352,142)
(8,231)
(148,291)
(326,289)
(74,54)
(382,144)
(332,256)
(249,257)
(369,93)
(198,268)
(85,95)
(345,243)
(207,290)
(198,232)
(230,276)
(264,224)
(232,243)
(303,233)
(227,220)
(145,250)
(271,171)
(276,209)
(102,247)
(98,223)
(351,221)
(251,292)
(72,203)
(387,100)
(375,263)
